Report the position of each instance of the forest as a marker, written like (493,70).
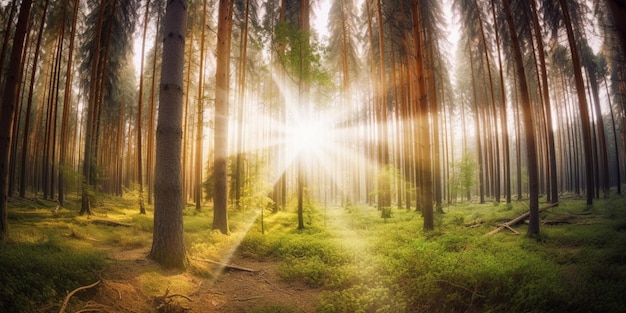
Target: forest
(312,156)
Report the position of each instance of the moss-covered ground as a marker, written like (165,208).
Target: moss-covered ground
(347,259)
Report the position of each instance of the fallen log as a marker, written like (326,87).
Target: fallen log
(557,221)
(228,266)
(110,223)
(518,219)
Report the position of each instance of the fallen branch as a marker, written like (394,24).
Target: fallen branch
(110,223)
(67,299)
(474,224)
(518,219)
(246,299)
(556,221)
(281,290)
(56,210)
(228,266)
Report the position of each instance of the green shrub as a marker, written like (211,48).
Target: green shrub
(258,246)
(143,222)
(361,299)
(40,273)
(311,270)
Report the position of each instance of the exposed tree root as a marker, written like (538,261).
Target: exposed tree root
(67,298)
(165,304)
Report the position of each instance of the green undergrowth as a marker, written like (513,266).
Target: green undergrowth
(359,261)
(367,264)
(38,273)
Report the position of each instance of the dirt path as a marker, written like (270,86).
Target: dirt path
(133,284)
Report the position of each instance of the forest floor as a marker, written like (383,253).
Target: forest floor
(130,282)
(346,260)
(125,289)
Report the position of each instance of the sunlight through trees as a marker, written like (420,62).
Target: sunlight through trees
(519,106)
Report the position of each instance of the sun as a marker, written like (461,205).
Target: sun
(309,135)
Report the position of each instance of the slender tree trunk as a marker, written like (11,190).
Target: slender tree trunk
(422,118)
(479,143)
(582,103)
(383,141)
(197,195)
(29,103)
(503,115)
(531,149)
(554,192)
(496,175)
(168,246)
(603,152)
(67,98)
(151,117)
(186,129)
(618,173)
(7,111)
(240,97)
(88,151)
(142,208)
(222,91)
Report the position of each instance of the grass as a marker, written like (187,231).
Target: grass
(360,262)
(368,264)
(39,270)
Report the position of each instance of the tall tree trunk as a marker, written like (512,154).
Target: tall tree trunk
(186,128)
(88,151)
(531,148)
(603,152)
(67,102)
(139,123)
(303,95)
(422,118)
(168,246)
(552,169)
(9,99)
(197,194)
(582,103)
(222,91)
(29,104)
(503,115)
(479,144)
(618,173)
(241,82)
(383,140)
(151,117)
(496,176)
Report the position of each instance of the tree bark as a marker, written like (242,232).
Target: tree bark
(197,185)
(168,246)
(552,169)
(64,145)
(142,208)
(582,103)
(9,99)
(531,148)
(424,148)
(88,151)
(222,91)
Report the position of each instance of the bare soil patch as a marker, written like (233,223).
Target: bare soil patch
(132,283)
